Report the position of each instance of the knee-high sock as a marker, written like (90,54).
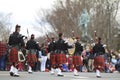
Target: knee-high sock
(16,71)
(59,71)
(97,72)
(29,69)
(12,69)
(52,70)
(75,71)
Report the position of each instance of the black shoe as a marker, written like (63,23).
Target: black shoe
(30,72)
(52,73)
(98,76)
(11,73)
(60,75)
(76,75)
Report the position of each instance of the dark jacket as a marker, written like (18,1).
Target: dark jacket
(61,46)
(31,44)
(16,39)
(98,49)
(78,48)
(51,46)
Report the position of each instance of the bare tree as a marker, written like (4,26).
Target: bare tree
(65,15)
(5,26)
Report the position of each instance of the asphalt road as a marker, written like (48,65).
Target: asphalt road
(4,75)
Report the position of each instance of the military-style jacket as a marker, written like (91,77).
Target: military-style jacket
(98,49)
(78,48)
(61,46)
(32,46)
(51,46)
(16,40)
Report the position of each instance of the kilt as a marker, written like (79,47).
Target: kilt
(99,63)
(31,58)
(61,58)
(77,60)
(13,55)
(53,59)
(3,48)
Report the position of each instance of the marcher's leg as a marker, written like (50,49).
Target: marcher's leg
(16,72)
(29,69)
(98,73)
(52,71)
(53,63)
(59,70)
(12,70)
(75,71)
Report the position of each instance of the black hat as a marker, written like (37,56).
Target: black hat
(17,26)
(99,38)
(52,37)
(77,37)
(60,34)
(32,35)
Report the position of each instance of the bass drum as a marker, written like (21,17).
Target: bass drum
(71,42)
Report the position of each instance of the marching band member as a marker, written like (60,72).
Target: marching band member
(61,46)
(16,43)
(77,61)
(32,48)
(51,50)
(99,51)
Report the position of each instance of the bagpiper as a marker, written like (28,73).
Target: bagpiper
(60,51)
(99,62)
(77,61)
(51,50)
(15,43)
(32,48)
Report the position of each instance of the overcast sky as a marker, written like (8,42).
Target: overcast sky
(24,12)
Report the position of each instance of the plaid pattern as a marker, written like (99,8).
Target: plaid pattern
(61,58)
(99,63)
(77,60)
(31,58)
(53,59)
(3,48)
(13,55)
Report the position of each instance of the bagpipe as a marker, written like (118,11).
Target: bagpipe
(22,51)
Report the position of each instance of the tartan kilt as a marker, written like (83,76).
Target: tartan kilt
(13,55)
(99,63)
(77,60)
(31,58)
(53,59)
(61,58)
